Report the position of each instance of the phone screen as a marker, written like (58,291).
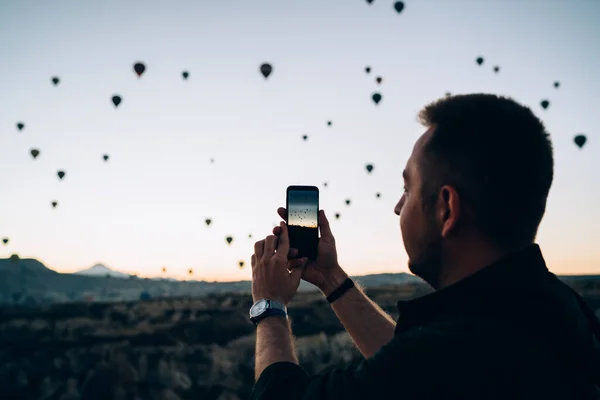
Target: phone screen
(303,219)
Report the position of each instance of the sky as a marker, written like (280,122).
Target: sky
(145,208)
(302,208)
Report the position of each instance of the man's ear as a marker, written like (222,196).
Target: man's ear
(448,213)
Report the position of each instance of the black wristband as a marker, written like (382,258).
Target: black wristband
(337,293)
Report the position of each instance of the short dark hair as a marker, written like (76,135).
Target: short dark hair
(498,156)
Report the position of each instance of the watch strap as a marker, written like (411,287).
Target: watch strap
(269,313)
(337,293)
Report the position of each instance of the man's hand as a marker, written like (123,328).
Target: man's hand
(273,276)
(324,272)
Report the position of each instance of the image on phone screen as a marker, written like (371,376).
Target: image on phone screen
(303,219)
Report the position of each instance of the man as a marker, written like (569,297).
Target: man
(499,326)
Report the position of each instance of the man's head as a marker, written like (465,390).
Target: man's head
(480,173)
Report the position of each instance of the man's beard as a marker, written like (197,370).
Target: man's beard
(428,263)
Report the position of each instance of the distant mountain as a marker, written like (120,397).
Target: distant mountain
(102,270)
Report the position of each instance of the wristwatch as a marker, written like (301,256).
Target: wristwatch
(264,308)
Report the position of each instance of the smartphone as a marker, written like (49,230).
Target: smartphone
(302,206)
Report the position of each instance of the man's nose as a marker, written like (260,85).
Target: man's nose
(399,206)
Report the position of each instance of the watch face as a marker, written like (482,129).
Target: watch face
(258,308)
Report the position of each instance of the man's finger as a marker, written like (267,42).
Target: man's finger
(296,263)
(292,253)
(269,247)
(253,260)
(296,275)
(324,226)
(277,231)
(282,213)
(284,241)
(259,248)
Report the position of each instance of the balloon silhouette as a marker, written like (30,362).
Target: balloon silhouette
(5,240)
(580,140)
(378,195)
(347,202)
(249,236)
(368,70)
(325,184)
(378,80)
(304,137)
(54,204)
(399,6)
(164,270)
(369,168)
(479,60)
(190,271)
(208,221)
(266,70)
(14,258)
(369,1)
(337,215)
(105,157)
(448,94)
(241,264)
(185,74)
(229,239)
(139,68)
(556,84)
(544,104)
(61,174)
(20,126)
(376,98)
(35,153)
(496,69)
(116,99)
(55,80)
(329,123)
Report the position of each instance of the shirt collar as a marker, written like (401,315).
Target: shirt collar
(519,270)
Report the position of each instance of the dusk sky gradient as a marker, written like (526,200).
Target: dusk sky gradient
(146,207)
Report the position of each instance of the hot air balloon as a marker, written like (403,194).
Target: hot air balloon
(347,202)
(139,68)
(580,140)
(329,123)
(448,94)
(20,126)
(15,258)
(54,204)
(190,271)
(55,80)
(61,174)
(496,69)
(229,239)
(337,215)
(368,70)
(212,160)
(116,99)
(378,80)
(266,70)
(325,184)
(479,60)
(556,84)
(376,98)
(369,168)
(304,137)
(378,195)
(241,264)
(105,157)
(399,6)
(35,153)
(249,236)
(5,240)
(208,221)
(185,74)
(544,104)
(369,1)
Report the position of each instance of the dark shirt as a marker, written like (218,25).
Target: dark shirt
(510,331)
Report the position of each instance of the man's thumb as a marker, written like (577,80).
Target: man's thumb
(324,225)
